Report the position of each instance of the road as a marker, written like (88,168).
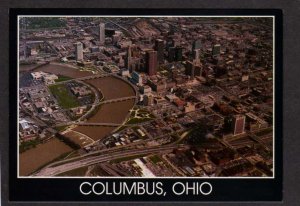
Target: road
(52,171)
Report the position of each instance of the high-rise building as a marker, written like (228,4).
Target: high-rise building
(170,43)
(238,124)
(198,70)
(128,59)
(171,54)
(151,62)
(148,100)
(159,47)
(196,56)
(196,44)
(216,49)
(78,51)
(190,69)
(102,33)
(178,53)
(136,78)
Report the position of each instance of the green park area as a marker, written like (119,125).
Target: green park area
(139,115)
(155,159)
(64,97)
(62,78)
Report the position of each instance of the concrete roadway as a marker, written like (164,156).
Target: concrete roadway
(52,171)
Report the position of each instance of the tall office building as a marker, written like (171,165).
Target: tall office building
(102,33)
(128,59)
(136,78)
(190,69)
(196,44)
(169,43)
(196,56)
(171,54)
(151,62)
(148,100)
(78,51)
(198,70)
(238,124)
(216,49)
(159,47)
(178,53)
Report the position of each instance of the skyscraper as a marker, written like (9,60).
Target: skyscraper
(190,69)
(238,124)
(216,49)
(171,54)
(148,100)
(196,56)
(78,51)
(151,62)
(178,53)
(159,47)
(198,70)
(196,44)
(102,33)
(128,59)
(169,43)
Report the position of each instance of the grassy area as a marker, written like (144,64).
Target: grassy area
(155,159)
(62,78)
(28,145)
(121,128)
(123,159)
(65,99)
(139,116)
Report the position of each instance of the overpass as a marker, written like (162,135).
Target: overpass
(52,171)
(121,99)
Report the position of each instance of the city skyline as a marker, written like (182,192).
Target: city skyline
(192,74)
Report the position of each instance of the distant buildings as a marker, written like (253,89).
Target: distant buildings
(196,45)
(145,89)
(238,124)
(124,72)
(171,54)
(128,59)
(136,78)
(79,91)
(196,56)
(178,53)
(148,100)
(151,62)
(190,69)
(175,54)
(78,51)
(216,49)
(46,77)
(102,34)
(159,47)
(189,107)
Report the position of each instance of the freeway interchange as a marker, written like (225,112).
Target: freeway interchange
(94,159)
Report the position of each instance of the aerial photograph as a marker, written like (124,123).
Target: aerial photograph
(134,96)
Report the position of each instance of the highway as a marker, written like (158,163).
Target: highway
(52,171)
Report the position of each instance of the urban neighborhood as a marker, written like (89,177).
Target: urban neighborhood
(145,96)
